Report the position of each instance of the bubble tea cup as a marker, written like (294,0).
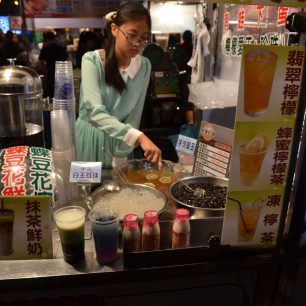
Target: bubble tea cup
(70,222)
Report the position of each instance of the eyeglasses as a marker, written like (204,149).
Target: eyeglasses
(135,39)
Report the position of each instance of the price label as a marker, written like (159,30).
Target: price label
(85,172)
(214,149)
(186,144)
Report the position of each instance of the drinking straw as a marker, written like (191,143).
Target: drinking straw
(240,211)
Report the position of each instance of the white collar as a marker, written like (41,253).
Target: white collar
(131,69)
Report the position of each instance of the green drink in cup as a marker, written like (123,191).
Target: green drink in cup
(70,222)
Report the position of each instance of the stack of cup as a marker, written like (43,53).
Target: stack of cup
(64,98)
(63,152)
(63,117)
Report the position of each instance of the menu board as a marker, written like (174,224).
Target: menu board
(25,228)
(268,97)
(213,150)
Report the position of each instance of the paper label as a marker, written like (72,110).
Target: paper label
(85,172)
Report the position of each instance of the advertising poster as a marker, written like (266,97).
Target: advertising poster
(291,3)
(4,23)
(25,228)
(265,121)
(68,8)
(26,171)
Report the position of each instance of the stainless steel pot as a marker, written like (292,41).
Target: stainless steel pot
(198,212)
(21,116)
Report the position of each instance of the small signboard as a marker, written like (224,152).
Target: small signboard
(213,150)
(85,172)
(186,144)
(25,228)
(269,90)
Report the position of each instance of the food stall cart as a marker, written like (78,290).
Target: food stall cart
(206,272)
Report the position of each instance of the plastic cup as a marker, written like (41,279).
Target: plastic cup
(250,165)
(105,224)
(70,222)
(259,68)
(69,107)
(6,231)
(60,130)
(63,83)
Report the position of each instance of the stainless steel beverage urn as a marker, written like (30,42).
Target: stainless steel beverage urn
(21,107)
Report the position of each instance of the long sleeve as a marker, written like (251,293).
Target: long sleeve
(93,93)
(108,119)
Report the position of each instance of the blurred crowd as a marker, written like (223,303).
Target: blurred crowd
(56,45)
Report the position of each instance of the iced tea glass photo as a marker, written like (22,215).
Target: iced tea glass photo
(248,219)
(251,157)
(259,69)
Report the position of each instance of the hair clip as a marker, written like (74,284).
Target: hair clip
(111,16)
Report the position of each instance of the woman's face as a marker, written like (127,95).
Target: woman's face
(131,37)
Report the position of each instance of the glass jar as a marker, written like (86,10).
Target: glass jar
(150,231)
(181,229)
(131,234)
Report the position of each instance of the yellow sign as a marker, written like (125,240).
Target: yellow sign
(25,228)
(269,89)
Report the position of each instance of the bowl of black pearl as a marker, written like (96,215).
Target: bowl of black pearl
(203,196)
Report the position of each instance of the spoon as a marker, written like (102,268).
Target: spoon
(198,191)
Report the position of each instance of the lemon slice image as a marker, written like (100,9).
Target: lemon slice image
(151,176)
(258,143)
(165,180)
(266,139)
(149,184)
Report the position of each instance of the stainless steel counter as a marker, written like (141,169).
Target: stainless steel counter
(20,271)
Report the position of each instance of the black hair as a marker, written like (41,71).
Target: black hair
(187,36)
(49,35)
(128,11)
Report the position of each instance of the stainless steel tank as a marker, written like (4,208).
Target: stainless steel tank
(21,107)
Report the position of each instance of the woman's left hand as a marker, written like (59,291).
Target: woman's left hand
(151,152)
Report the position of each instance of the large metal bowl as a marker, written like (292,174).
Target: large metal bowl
(101,192)
(140,171)
(198,212)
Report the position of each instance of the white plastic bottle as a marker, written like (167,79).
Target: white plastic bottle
(181,229)
(150,231)
(131,234)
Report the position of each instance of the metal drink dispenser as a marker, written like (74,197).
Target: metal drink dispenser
(21,107)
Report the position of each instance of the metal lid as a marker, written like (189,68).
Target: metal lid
(19,80)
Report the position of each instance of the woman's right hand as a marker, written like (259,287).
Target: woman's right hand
(151,152)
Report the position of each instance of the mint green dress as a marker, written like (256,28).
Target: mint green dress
(105,115)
